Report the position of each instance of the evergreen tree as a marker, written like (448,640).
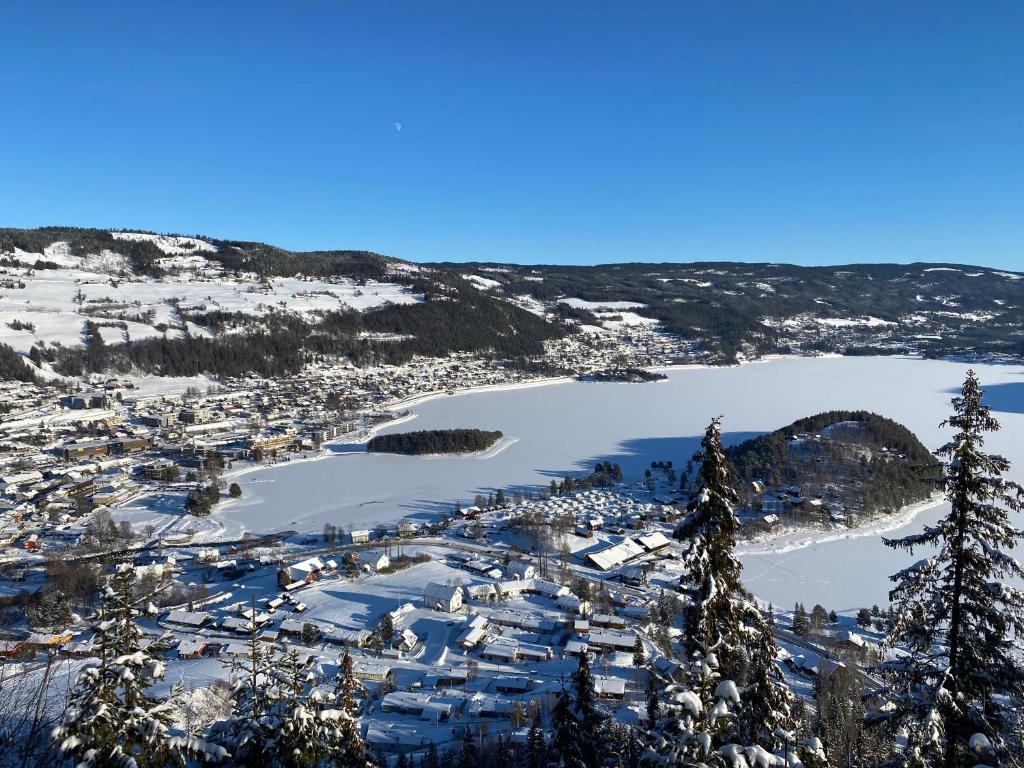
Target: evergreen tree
(735,690)
(348,687)
(387,628)
(801,623)
(536,749)
(430,759)
(639,657)
(714,616)
(653,704)
(112,720)
(468,752)
(250,733)
(956,614)
(589,715)
(566,737)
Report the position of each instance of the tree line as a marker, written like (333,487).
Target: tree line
(434,441)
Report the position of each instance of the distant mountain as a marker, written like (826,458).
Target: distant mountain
(933,309)
(89,299)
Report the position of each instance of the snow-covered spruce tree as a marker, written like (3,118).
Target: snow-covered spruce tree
(725,637)
(536,747)
(579,721)
(112,720)
(566,737)
(315,728)
(348,687)
(956,614)
(715,618)
(734,700)
(589,714)
(250,733)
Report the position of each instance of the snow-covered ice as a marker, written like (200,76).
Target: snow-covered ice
(567,427)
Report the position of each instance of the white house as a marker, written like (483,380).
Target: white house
(443,597)
(520,569)
(360,537)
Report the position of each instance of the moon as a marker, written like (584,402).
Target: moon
(398,127)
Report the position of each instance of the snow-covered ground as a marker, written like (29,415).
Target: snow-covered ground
(56,303)
(594,305)
(567,427)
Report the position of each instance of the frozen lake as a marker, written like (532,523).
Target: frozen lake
(566,427)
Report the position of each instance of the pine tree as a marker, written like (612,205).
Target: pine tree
(714,617)
(468,752)
(567,736)
(956,615)
(431,760)
(767,700)
(589,715)
(348,686)
(536,749)
(726,640)
(250,733)
(112,720)
(801,623)
(653,703)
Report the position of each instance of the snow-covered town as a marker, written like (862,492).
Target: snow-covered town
(511,385)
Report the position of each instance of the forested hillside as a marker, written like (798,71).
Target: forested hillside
(182,305)
(856,464)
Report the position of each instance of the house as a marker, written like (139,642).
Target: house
(45,642)
(379,562)
(615,555)
(653,542)
(609,687)
(520,569)
(450,678)
(443,597)
(15,649)
(385,736)
(608,620)
(192,649)
(354,638)
(413,703)
(611,639)
(501,650)
(189,619)
(576,647)
(367,669)
(307,570)
(295,627)
(360,537)
(475,631)
(405,640)
(509,684)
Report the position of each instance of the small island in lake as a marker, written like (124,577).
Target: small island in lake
(426,441)
(838,467)
(633,375)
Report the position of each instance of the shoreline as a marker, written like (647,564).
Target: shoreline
(363,436)
(898,519)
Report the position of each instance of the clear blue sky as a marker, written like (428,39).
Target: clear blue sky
(580,132)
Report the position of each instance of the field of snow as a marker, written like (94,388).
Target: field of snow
(598,305)
(58,302)
(567,427)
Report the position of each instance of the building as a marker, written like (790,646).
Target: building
(443,597)
(520,569)
(360,537)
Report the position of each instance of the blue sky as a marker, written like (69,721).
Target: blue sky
(808,132)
